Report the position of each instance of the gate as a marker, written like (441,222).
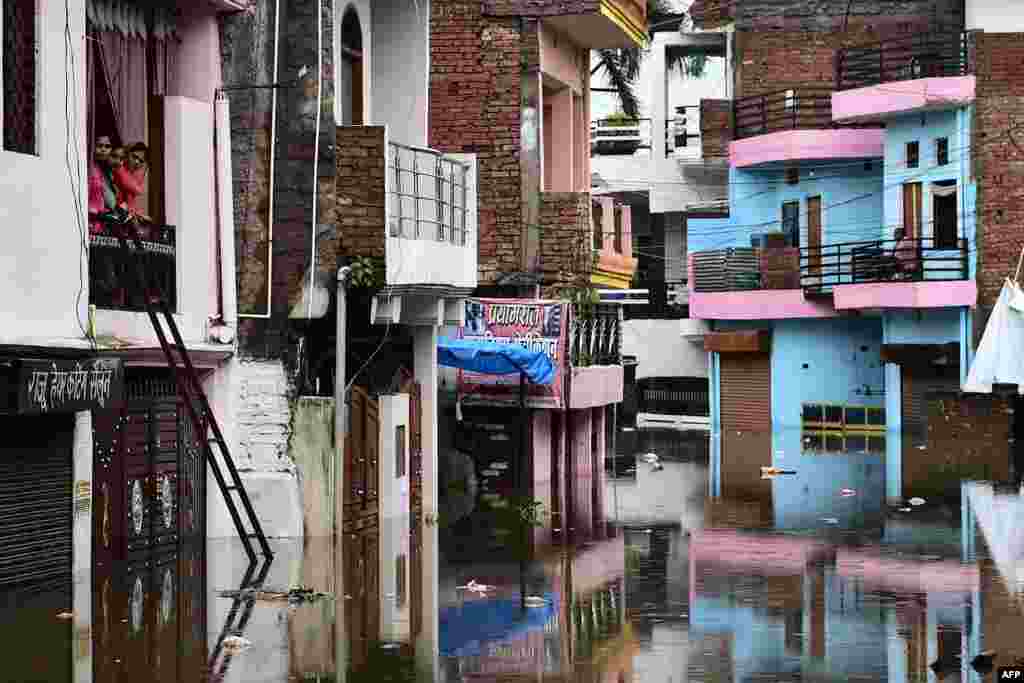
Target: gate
(415,508)
(149,472)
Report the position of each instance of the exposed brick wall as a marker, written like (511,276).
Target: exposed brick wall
(539,8)
(829,15)
(715,127)
(709,14)
(566,236)
(360,201)
(475,88)
(999,168)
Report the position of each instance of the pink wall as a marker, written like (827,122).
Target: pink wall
(598,416)
(597,385)
(197,71)
(560,58)
(580,484)
(908,575)
(902,98)
(542,465)
(807,145)
(559,172)
(904,295)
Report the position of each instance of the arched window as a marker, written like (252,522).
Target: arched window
(350,63)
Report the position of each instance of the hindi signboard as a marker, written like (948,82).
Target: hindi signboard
(534,324)
(63,386)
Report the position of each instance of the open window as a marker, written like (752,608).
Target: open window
(19,60)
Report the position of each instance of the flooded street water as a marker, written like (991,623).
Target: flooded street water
(709,570)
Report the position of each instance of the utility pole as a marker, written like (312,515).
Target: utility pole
(340,399)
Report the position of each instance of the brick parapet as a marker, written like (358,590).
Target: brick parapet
(715,128)
(566,236)
(361,190)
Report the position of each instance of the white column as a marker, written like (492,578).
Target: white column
(655,61)
(425,362)
(81,551)
(894,433)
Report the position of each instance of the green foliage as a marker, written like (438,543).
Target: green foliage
(367,272)
(620,120)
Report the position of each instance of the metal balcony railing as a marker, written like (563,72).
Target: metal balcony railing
(806,107)
(619,136)
(916,260)
(727,270)
(428,195)
(595,336)
(111,268)
(923,55)
(674,396)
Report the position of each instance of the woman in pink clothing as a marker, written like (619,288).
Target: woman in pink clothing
(130,180)
(102,197)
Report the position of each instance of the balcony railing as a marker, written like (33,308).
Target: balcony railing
(619,136)
(727,270)
(665,301)
(807,107)
(595,336)
(917,260)
(428,195)
(112,277)
(924,55)
(674,396)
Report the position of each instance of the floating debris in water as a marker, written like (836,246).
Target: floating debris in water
(236,644)
(650,457)
(293,595)
(658,467)
(846,493)
(627,429)
(772,471)
(830,520)
(475,587)
(535,601)
(904,509)
(66,615)
(916,501)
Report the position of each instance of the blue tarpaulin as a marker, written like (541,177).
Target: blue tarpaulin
(492,358)
(466,630)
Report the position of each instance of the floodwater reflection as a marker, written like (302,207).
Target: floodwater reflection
(718,570)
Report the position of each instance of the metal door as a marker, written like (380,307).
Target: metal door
(35,499)
(745,391)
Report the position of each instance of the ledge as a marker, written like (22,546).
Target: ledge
(767,304)
(807,145)
(927,294)
(740,341)
(902,97)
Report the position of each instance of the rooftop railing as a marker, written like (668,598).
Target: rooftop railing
(922,55)
(807,107)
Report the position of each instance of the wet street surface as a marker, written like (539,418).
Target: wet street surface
(735,558)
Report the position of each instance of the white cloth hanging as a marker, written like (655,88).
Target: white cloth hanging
(999,358)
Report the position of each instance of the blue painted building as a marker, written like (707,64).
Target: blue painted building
(840,288)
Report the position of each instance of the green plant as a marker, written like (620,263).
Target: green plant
(367,272)
(620,120)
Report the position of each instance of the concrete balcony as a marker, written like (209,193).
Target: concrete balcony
(796,125)
(591,24)
(933,71)
(596,377)
(411,212)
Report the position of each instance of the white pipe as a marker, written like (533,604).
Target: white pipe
(226,213)
(273,153)
(316,156)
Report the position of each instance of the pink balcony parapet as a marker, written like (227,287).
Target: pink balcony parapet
(596,385)
(807,145)
(910,576)
(764,304)
(905,97)
(927,294)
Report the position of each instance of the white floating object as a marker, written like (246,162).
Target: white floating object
(490,473)
(904,509)
(847,493)
(830,520)
(916,501)
(535,601)
(236,643)
(649,457)
(627,429)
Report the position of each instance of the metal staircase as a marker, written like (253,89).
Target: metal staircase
(192,393)
(235,623)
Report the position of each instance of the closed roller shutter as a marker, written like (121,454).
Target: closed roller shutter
(746,393)
(35,499)
(918,383)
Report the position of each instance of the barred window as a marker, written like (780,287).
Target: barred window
(19,67)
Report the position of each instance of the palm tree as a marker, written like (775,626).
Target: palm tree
(621,66)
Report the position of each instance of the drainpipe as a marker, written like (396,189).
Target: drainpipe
(225,331)
(340,398)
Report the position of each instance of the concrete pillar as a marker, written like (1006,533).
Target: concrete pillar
(597,459)
(655,61)
(81,549)
(425,367)
(894,434)
(560,175)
